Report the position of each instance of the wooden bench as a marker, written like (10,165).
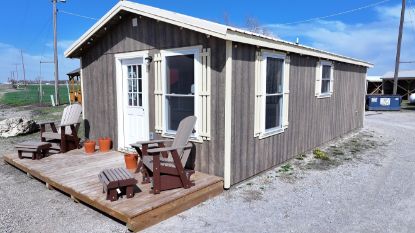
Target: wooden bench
(38,149)
(117,179)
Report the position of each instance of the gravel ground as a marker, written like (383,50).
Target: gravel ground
(366,185)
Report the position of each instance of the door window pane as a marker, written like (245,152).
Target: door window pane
(273,112)
(134,81)
(180,74)
(178,109)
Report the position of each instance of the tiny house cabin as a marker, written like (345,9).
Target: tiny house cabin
(259,101)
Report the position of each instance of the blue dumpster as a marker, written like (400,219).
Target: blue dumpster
(383,102)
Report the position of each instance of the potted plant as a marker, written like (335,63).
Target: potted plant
(104,144)
(131,159)
(89,146)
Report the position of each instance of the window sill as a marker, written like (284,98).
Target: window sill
(193,138)
(272,133)
(326,95)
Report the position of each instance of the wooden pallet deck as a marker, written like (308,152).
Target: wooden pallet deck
(76,174)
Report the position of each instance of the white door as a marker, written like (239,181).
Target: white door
(135,101)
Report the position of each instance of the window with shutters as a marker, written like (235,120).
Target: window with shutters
(272,82)
(182,88)
(324,79)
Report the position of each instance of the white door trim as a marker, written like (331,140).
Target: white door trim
(119,84)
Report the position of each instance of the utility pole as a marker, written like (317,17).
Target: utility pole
(24,71)
(398,50)
(55,51)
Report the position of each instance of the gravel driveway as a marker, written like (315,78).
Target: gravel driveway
(368,185)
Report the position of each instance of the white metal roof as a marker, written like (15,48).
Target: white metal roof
(209,28)
(403,74)
(374,78)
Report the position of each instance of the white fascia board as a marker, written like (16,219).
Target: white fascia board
(191,23)
(266,42)
(209,28)
(109,15)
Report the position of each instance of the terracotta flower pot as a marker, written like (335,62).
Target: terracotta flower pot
(131,161)
(104,144)
(89,146)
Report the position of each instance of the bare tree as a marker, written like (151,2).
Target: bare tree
(252,24)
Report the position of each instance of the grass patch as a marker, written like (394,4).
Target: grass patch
(30,95)
(319,154)
(286,168)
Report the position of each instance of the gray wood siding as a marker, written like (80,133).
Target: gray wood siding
(312,121)
(100,98)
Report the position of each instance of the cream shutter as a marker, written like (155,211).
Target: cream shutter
(158,94)
(332,79)
(286,92)
(318,79)
(204,95)
(258,95)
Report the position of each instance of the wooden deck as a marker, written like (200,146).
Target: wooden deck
(76,174)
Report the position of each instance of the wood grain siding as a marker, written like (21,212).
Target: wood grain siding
(312,121)
(98,66)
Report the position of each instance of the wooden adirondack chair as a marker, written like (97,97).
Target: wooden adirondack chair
(65,138)
(166,165)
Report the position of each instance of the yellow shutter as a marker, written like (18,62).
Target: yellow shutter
(318,79)
(258,94)
(204,95)
(158,94)
(286,92)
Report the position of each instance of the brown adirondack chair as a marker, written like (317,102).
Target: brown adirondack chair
(166,164)
(65,137)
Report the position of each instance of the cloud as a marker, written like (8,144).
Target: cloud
(10,56)
(62,44)
(373,41)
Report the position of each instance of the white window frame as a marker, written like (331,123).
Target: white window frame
(328,94)
(279,129)
(195,50)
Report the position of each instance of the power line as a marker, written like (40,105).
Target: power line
(78,15)
(338,13)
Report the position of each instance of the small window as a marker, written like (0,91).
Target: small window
(325,79)
(274,92)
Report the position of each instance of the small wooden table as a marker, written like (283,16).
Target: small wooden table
(117,178)
(39,150)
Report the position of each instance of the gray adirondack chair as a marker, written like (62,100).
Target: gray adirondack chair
(166,164)
(65,137)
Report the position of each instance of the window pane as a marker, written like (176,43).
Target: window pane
(326,72)
(139,85)
(134,85)
(180,74)
(140,100)
(130,99)
(273,112)
(178,109)
(274,75)
(130,85)
(325,86)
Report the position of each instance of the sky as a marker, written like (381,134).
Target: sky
(369,34)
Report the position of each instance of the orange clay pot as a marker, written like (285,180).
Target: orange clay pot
(104,144)
(131,161)
(89,146)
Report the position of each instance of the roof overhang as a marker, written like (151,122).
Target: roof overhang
(206,27)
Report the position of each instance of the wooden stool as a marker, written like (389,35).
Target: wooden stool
(117,178)
(39,150)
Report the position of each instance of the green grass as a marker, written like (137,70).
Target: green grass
(319,154)
(30,95)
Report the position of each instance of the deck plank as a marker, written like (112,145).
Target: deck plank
(76,174)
